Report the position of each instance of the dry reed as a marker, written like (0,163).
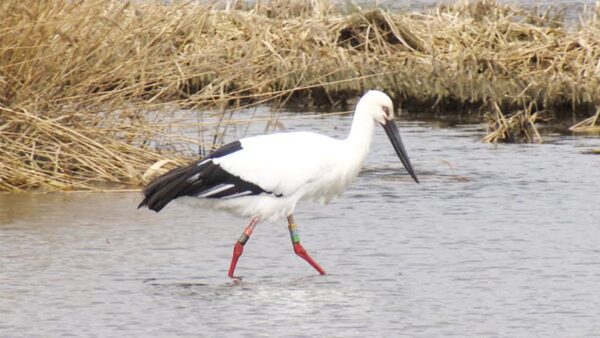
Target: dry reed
(70,71)
(589,125)
(49,152)
(516,127)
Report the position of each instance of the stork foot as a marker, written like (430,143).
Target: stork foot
(238,249)
(300,251)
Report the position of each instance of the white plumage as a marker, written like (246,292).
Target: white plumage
(294,166)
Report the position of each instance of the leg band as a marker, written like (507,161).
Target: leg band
(294,233)
(243,239)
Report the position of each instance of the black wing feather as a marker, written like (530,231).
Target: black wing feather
(195,179)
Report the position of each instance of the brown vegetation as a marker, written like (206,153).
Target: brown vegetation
(516,127)
(589,125)
(77,78)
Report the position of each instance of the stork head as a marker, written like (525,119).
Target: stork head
(382,109)
(380,105)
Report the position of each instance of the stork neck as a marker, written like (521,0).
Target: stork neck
(361,132)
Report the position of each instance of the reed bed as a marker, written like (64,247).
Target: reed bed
(38,151)
(78,78)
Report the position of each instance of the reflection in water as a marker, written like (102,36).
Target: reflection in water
(497,240)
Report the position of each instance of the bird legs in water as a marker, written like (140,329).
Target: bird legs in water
(298,249)
(238,249)
(239,245)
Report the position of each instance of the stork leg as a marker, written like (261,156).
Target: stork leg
(238,248)
(298,249)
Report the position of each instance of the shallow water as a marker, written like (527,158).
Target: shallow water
(495,241)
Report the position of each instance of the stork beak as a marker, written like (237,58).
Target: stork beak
(392,132)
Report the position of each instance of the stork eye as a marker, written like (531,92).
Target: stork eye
(386,110)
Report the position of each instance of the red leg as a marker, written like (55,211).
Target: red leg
(238,248)
(298,249)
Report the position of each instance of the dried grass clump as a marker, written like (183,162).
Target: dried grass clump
(589,125)
(70,68)
(516,127)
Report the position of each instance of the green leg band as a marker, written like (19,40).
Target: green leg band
(294,233)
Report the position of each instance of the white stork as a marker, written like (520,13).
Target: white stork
(263,177)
